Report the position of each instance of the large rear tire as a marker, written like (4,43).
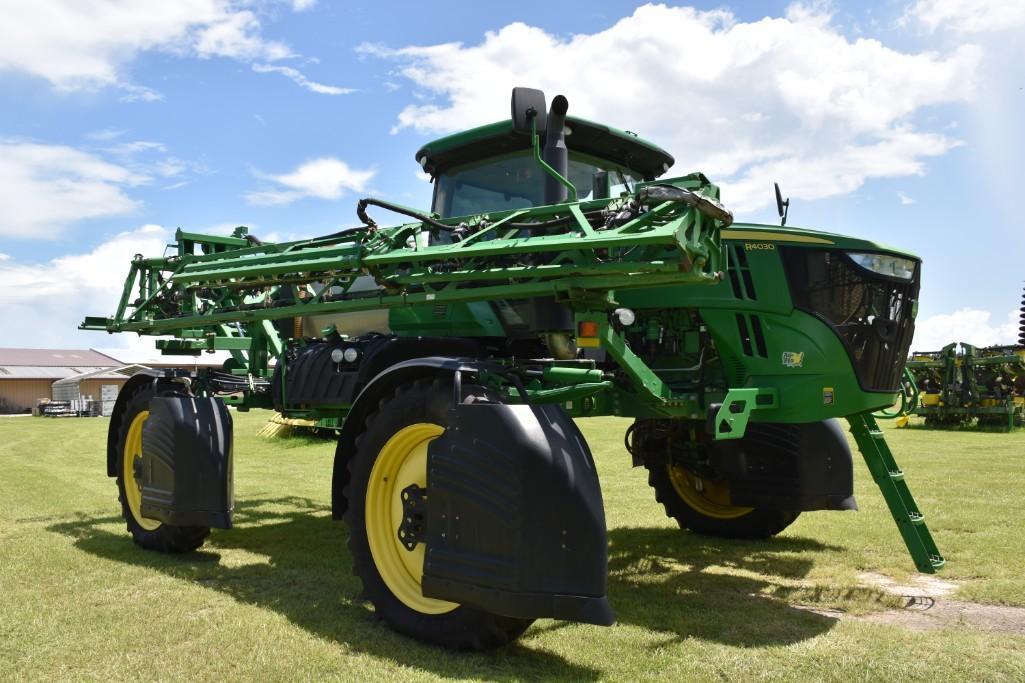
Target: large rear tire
(148,533)
(704,506)
(391,455)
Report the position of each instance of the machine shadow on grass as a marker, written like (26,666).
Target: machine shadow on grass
(307,577)
(676,582)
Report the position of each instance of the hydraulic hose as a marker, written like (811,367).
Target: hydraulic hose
(670,193)
(361,211)
(554,223)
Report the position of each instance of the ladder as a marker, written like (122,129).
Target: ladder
(890,479)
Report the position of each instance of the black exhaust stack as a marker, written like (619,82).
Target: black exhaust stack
(555,153)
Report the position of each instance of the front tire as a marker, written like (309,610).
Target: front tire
(148,533)
(704,506)
(700,502)
(391,455)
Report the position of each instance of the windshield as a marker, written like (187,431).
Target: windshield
(517,181)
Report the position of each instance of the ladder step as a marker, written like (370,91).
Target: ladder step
(890,479)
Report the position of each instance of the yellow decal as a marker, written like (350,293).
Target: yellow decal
(774,236)
(753,246)
(793,359)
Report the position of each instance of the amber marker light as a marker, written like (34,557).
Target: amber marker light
(587,333)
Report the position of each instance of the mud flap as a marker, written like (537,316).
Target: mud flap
(798,467)
(186,462)
(515,520)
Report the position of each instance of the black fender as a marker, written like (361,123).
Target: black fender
(312,377)
(516,522)
(186,461)
(396,350)
(799,467)
(382,384)
(139,379)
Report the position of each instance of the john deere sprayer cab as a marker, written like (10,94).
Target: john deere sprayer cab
(556,276)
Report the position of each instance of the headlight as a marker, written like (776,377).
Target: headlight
(349,354)
(625,316)
(885,264)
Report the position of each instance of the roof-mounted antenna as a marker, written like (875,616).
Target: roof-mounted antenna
(783,207)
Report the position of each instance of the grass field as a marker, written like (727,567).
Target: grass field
(274,599)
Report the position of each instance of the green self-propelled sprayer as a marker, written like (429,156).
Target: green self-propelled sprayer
(556,276)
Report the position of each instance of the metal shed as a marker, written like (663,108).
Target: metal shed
(26,375)
(100,385)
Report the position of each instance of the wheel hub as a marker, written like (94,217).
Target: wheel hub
(396,505)
(414,516)
(708,497)
(137,471)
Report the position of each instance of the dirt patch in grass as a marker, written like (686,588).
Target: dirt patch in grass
(928,607)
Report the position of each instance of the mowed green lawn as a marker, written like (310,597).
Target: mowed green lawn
(274,599)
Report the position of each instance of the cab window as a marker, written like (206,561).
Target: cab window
(516,181)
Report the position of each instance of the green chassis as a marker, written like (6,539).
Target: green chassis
(675,265)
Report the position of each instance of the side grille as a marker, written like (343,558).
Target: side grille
(752,339)
(738,373)
(740,274)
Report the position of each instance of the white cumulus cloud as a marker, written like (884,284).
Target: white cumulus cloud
(970,325)
(54,296)
(43,188)
(324,178)
(88,45)
(960,16)
(790,99)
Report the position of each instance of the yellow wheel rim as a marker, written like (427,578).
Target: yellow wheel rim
(133,489)
(401,462)
(710,498)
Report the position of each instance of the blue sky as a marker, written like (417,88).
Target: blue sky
(896,121)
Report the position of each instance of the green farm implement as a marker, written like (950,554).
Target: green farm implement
(556,276)
(961,385)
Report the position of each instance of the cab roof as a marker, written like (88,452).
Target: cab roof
(586,137)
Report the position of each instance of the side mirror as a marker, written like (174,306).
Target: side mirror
(783,207)
(529,104)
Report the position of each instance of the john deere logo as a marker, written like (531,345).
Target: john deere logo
(793,359)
